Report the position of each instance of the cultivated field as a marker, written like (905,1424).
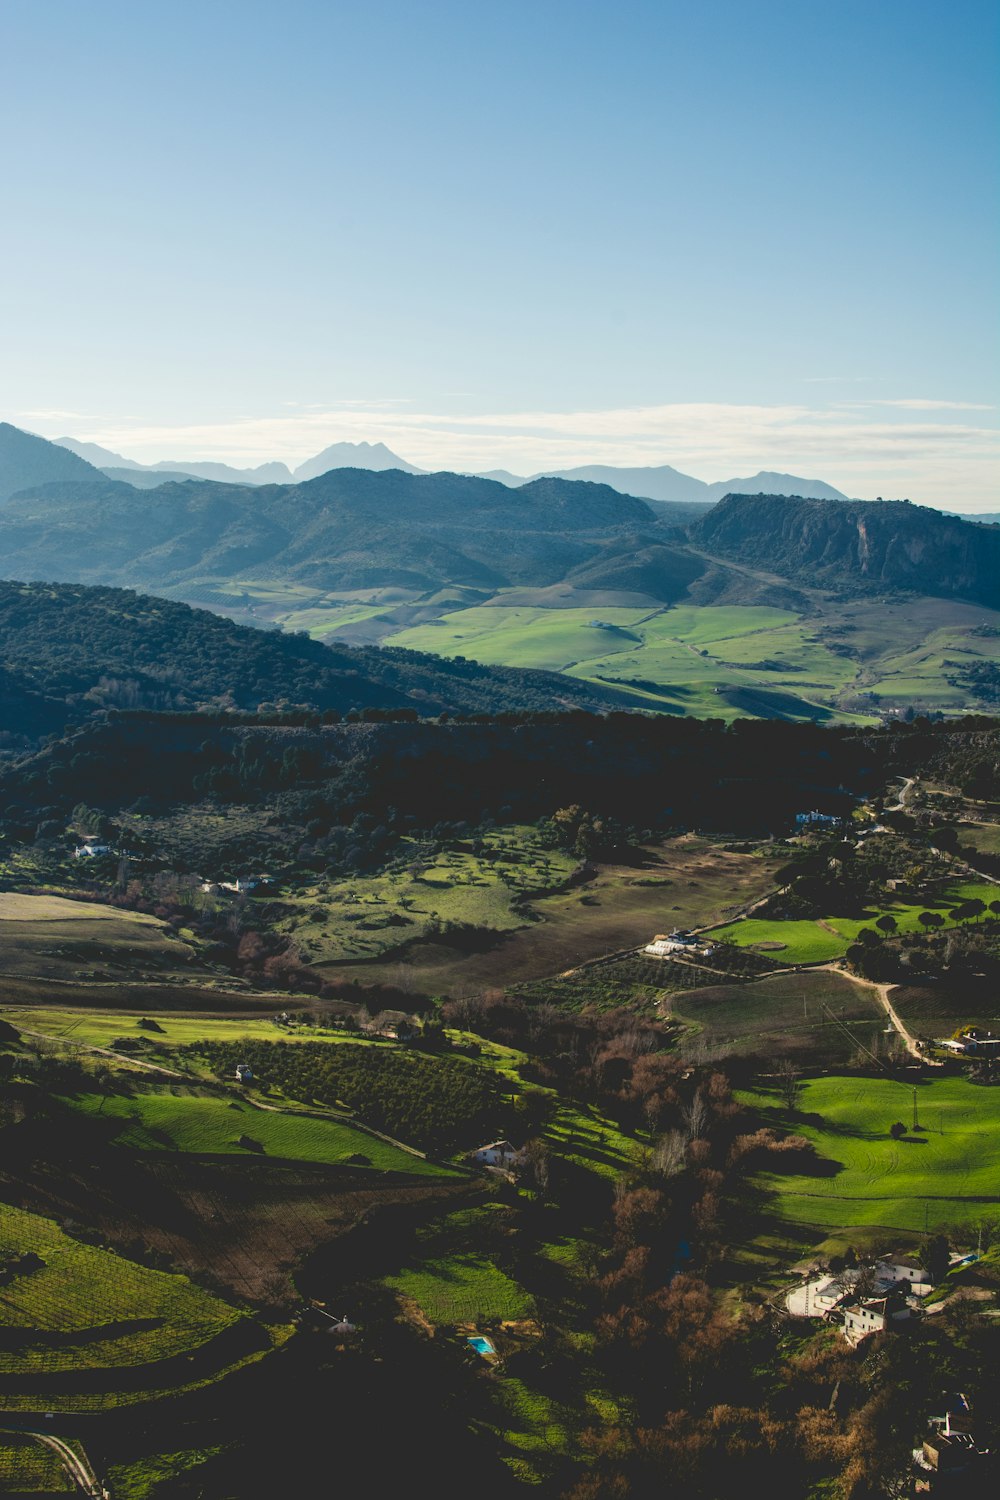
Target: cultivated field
(28,1467)
(947,1176)
(77,1319)
(937,1010)
(781,1015)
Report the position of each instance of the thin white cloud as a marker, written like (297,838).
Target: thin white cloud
(916,403)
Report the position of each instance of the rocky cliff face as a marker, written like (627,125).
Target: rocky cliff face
(857,545)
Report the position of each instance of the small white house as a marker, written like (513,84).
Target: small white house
(873,1315)
(816,819)
(244,1073)
(498,1154)
(895,1268)
(91,850)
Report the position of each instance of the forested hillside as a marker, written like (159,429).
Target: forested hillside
(347,529)
(68,652)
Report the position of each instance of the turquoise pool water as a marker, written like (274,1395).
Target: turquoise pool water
(482,1346)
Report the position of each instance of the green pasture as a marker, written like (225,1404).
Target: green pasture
(591,1141)
(364,916)
(691,653)
(808,941)
(100,1028)
(691,659)
(984,837)
(947,1176)
(463,1288)
(499,635)
(171,1120)
(69,1308)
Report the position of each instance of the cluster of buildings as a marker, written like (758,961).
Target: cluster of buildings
(241,886)
(975,1042)
(816,819)
(949,1455)
(674,944)
(884,1295)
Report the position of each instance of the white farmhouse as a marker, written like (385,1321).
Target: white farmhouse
(498,1154)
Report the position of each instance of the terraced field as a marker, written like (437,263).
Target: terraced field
(76,1320)
(948,1175)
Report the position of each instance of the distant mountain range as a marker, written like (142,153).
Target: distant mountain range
(663,483)
(27,460)
(358,528)
(660,483)
(374,456)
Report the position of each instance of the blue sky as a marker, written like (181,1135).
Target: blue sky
(726,235)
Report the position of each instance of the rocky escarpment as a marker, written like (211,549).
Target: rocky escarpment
(857,544)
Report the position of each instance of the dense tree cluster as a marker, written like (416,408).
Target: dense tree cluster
(438,1104)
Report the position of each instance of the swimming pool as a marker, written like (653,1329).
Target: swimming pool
(482,1346)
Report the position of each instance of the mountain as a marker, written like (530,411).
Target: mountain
(69,652)
(147,479)
(665,484)
(347,529)
(657,483)
(129,471)
(271,473)
(27,460)
(768,483)
(856,544)
(96,455)
(375,456)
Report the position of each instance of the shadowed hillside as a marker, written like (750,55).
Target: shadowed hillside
(855,544)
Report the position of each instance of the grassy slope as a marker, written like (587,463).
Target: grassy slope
(807,941)
(881,1181)
(50,937)
(905,649)
(363,917)
(185,1121)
